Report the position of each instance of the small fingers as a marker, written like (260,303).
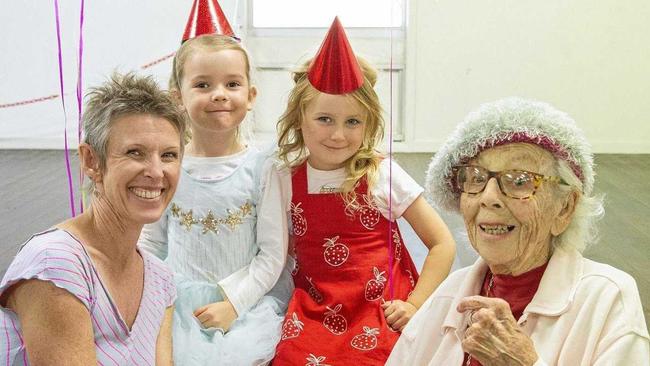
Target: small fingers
(203,318)
(400,323)
(200,310)
(392,318)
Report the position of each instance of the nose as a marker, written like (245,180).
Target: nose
(154,168)
(338,134)
(491,197)
(218,94)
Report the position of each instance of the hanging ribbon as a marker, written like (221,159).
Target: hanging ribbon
(391,258)
(80,102)
(65,115)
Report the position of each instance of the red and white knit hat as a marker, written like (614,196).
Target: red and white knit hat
(507,121)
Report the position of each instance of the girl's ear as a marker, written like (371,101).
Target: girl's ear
(252,94)
(89,162)
(177,98)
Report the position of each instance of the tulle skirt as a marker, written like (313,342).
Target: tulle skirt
(252,338)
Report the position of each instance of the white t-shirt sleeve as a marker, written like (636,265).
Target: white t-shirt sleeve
(404,189)
(245,287)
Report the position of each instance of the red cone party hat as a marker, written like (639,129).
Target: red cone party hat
(335,69)
(206,17)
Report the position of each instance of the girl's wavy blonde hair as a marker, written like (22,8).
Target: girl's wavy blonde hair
(292,149)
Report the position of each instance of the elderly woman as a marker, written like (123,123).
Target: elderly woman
(81,293)
(521,174)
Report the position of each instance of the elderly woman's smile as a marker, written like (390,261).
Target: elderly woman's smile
(512,234)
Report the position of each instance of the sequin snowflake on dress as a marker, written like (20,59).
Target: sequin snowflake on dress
(210,222)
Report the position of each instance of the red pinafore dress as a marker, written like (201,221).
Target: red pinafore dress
(334,316)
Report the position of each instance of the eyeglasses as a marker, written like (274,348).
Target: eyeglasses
(518,184)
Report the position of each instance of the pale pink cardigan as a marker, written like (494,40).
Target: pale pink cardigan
(584,313)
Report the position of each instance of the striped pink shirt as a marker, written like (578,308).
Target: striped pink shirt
(58,257)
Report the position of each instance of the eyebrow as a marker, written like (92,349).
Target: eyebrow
(357,116)
(207,76)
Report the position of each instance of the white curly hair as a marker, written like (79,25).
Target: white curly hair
(515,119)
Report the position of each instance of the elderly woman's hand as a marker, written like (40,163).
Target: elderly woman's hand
(219,315)
(398,313)
(494,337)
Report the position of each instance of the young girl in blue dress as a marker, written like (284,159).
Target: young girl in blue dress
(224,234)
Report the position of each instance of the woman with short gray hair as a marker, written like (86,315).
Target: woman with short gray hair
(81,293)
(520,173)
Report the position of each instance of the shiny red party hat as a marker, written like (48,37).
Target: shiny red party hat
(334,69)
(206,17)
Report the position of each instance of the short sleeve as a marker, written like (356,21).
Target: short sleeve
(405,190)
(49,257)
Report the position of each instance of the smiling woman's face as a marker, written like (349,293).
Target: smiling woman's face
(142,168)
(513,235)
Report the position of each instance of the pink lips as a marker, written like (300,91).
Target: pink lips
(335,148)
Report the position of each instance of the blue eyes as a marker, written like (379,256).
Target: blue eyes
(352,122)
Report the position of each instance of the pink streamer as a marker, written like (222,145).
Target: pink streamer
(80,100)
(391,260)
(65,115)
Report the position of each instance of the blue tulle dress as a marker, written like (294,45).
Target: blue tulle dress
(218,238)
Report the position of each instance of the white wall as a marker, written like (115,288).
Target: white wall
(589,58)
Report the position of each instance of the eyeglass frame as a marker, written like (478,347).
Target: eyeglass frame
(537,179)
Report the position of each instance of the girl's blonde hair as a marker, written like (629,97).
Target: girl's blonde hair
(212,43)
(365,162)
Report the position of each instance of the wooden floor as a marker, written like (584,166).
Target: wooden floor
(34,195)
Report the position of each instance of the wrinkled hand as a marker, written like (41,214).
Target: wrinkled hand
(398,313)
(216,315)
(494,338)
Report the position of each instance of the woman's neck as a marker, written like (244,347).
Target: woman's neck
(107,238)
(214,144)
(521,266)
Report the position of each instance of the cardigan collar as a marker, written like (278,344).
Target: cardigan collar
(553,297)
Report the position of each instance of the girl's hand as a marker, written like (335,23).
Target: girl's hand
(219,315)
(494,338)
(398,313)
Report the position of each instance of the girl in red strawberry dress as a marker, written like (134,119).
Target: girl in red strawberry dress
(355,281)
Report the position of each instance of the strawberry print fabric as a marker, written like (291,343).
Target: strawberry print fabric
(341,278)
